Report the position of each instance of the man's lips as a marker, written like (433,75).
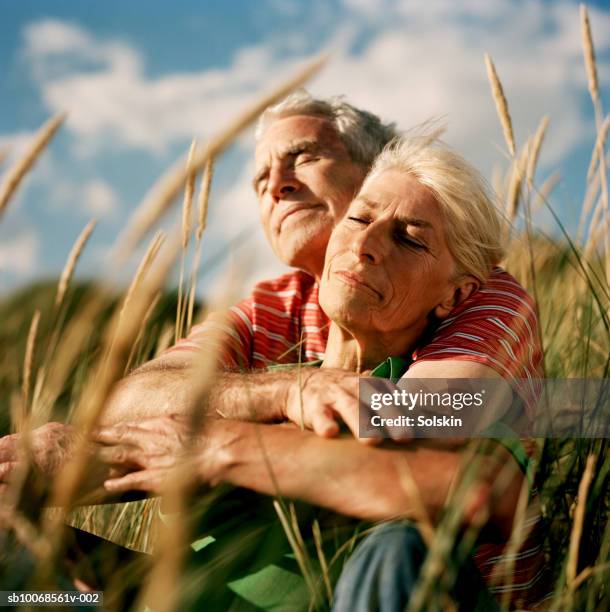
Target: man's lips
(294,208)
(356,280)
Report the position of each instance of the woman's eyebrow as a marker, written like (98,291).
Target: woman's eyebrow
(416,222)
(366,202)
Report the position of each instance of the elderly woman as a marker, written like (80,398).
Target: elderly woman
(420,237)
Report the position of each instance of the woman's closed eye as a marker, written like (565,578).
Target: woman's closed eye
(359,220)
(407,241)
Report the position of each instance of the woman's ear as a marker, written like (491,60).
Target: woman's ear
(463,288)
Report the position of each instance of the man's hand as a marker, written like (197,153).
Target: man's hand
(51,447)
(323,399)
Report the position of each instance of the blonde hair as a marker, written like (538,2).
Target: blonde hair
(363,134)
(472,223)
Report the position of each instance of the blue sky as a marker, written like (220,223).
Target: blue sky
(139,80)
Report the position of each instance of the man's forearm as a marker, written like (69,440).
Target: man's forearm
(161,388)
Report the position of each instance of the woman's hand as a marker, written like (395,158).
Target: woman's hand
(152,449)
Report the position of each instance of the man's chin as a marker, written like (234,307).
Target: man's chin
(305,255)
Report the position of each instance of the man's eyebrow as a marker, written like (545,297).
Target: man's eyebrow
(294,148)
(300,146)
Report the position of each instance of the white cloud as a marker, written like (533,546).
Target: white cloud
(19,255)
(113,99)
(94,197)
(99,198)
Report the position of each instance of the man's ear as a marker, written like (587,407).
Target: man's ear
(463,288)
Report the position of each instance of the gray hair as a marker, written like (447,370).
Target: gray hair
(363,134)
(472,222)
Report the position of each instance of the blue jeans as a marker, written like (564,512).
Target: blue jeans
(382,573)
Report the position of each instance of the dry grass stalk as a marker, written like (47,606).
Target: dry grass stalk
(516,184)
(54,371)
(544,193)
(535,150)
(165,339)
(172,541)
(514,192)
(118,341)
(517,537)
(595,228)
(29,359)
(204,196)
(591,196)
(600,143)
(24,530)
(20,168)
(169,186)
(68,271)
(442,539)
(189,190)
(579,517)
(498,183)
(299,553)
(187,213)
(589,53)
(145,263)
(138,340)
(317,536)
(501,104)
(418,510)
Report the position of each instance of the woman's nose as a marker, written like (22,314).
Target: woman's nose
(368,244)
(282,182)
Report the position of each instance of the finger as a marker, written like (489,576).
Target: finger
(324,422)
(8,448)
(347,407)
(119,455)
(144,480)
(5,470)
(121,434)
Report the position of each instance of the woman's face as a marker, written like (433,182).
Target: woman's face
(387,264)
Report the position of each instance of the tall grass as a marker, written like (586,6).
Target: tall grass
(69,345)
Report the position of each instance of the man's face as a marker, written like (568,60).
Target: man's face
(388,266)
(304,180)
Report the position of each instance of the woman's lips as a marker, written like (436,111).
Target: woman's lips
(356,280)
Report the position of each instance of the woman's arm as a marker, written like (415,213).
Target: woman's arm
(374,483)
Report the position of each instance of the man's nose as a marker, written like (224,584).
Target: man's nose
(282,182)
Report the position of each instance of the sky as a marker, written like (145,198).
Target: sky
(139,80)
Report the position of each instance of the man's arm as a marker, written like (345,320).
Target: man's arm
(317,398)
